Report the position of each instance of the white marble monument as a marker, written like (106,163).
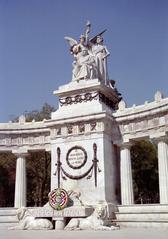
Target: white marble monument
(90,137)
(82,150)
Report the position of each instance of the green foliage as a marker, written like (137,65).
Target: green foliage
(145,172)
(44,113)
(38,115)
(7,179)
(38,169)
(38,178)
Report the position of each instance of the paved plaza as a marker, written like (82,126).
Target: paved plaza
(136,233)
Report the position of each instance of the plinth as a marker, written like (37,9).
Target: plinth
(82,134)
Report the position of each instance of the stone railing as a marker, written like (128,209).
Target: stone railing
(149,120)
(30,135)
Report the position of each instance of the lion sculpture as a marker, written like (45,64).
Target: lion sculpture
(96,221)
(28,222)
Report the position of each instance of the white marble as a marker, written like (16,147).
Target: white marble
(59,223)
(20,181)
(127,196)
(73,211)
(86,116)
(90,194)
(83,124)
(90,57)
(143,215)
(28,222)
(163,170)
(96,221)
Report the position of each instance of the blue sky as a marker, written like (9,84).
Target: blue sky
(35,59)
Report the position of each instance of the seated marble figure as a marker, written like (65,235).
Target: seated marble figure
(84,66)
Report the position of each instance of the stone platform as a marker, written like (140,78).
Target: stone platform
(73,211)
(142,215)
(138,233)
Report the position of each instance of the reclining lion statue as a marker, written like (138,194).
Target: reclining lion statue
(96,221)
(28,222)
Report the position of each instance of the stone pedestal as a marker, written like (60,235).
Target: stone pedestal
(59,223)
(20,181)
(127,197)
(83,130)
(163,171)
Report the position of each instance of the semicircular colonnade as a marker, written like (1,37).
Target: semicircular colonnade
(147,121)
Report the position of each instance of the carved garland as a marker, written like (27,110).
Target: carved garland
(77,177)
(78,99)
(89,97)
(60,171)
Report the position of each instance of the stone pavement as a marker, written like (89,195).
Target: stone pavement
(135,233)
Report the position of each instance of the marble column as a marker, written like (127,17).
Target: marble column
(163,170)
(127,197)
(20,181)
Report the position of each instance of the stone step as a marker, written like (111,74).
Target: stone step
(142,224)
(143,208)
(142,216)
(153,215)
(7,225)
(12,218)
(8,218)
(7,211)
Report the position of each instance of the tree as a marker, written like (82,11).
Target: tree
(37,115)
(38,175)
(38,169)
(7,179)
(44,113)
(145,172)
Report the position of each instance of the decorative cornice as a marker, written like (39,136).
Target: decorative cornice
(89,96)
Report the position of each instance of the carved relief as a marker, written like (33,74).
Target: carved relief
(78,128)
(144,127)
(92,126)
(19,140)
(76,157)
(100,126)
(69,129)
(58,131)
(81,128)
(78,98)
(89,97)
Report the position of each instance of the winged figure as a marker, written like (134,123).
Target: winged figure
(90,53)
(72,42)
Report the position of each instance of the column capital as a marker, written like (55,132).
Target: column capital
(163,139)
(159,136)
(126,145)
(20,153)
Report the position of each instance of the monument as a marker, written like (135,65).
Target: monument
(82,150)
(89,136)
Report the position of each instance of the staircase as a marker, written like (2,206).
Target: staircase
(142,215)
(139,215)
(8,217)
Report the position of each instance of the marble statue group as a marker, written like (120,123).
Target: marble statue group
(90,57)
(90,136)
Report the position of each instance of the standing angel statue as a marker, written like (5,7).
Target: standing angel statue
(90,57)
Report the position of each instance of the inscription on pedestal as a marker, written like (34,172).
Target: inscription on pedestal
(66,212)
(76,157)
